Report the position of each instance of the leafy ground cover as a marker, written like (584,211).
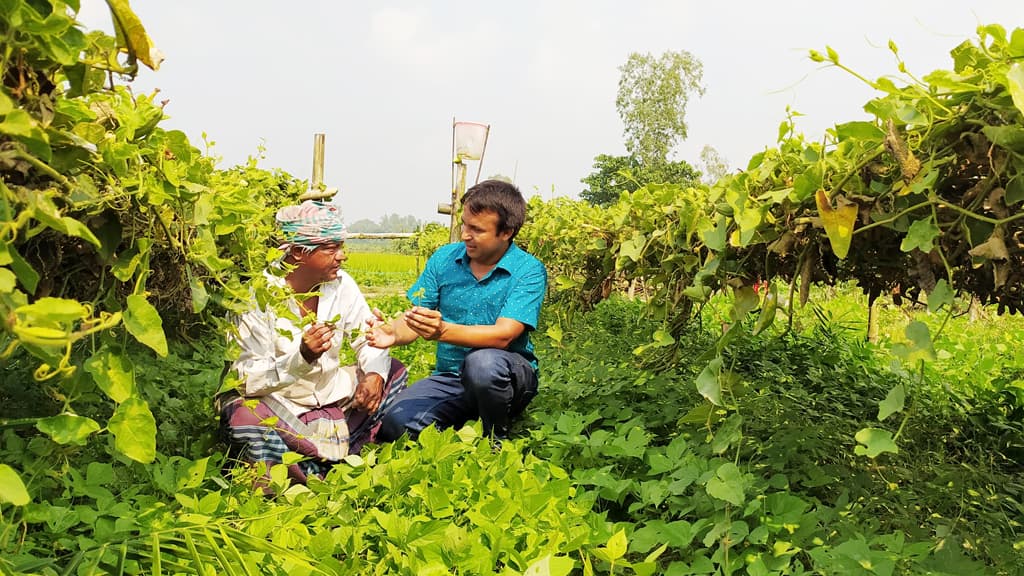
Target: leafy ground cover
(776,478)
(669,439)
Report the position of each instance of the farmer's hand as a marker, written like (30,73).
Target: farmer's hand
(369,393)
(315,341)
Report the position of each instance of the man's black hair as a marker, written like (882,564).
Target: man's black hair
(500,197)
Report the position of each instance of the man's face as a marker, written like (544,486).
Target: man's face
(324,261)
(484,243)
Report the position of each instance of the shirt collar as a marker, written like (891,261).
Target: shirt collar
(462,258)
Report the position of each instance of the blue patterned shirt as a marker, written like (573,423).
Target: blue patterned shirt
(513,289)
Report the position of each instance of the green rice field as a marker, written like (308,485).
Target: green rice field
(382,273)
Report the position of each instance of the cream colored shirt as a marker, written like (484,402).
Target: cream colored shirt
(270,362)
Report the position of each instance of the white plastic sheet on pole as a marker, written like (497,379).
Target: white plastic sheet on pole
(470,138)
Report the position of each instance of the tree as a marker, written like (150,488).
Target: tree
(614,175)
(652,98)
(713,165)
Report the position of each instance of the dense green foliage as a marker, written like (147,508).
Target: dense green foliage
(772,484)
(679,432)
(615,175)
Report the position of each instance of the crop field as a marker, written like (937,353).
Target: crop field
(380,272)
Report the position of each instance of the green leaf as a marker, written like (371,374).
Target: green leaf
(616,546)
(716,238)
(75,228)
(112,373)
(27,275)
(51,309)
(555,333)
(1009,137)
(322,545)
(18,123)
(875,441)
(708,382)
(859,131)
(922,234)
(68,428)
(727,484)
(1015,84)
(134,430)
(6,104)
(893,402)
(7,280)
(918,345)
(1016,46)
(143,321)
(807,183)
(12,489)
(200,297)
(633,247)
(663,338)
(941,296)
(550,566)
(1014,190)
(192,473)
(729,433)
(744,301)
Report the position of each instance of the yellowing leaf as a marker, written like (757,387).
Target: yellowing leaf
(132,36)
(838,222)
(992,249)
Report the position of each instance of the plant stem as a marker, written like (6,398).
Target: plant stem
(44,168)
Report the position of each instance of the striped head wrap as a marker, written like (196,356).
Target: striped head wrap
(310,224)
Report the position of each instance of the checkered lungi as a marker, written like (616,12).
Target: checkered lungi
(252,438)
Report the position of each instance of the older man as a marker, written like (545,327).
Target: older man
(295,393)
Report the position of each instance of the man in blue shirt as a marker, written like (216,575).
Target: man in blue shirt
(479,299)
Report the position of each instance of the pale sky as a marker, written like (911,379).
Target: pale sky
(383,79)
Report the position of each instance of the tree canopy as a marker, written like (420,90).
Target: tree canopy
(614,175)
(652,98)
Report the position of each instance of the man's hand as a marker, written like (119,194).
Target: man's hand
(379,332)
(369,393)
(315,341)
(426,323)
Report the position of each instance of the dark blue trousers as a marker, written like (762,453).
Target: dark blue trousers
(493,385)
